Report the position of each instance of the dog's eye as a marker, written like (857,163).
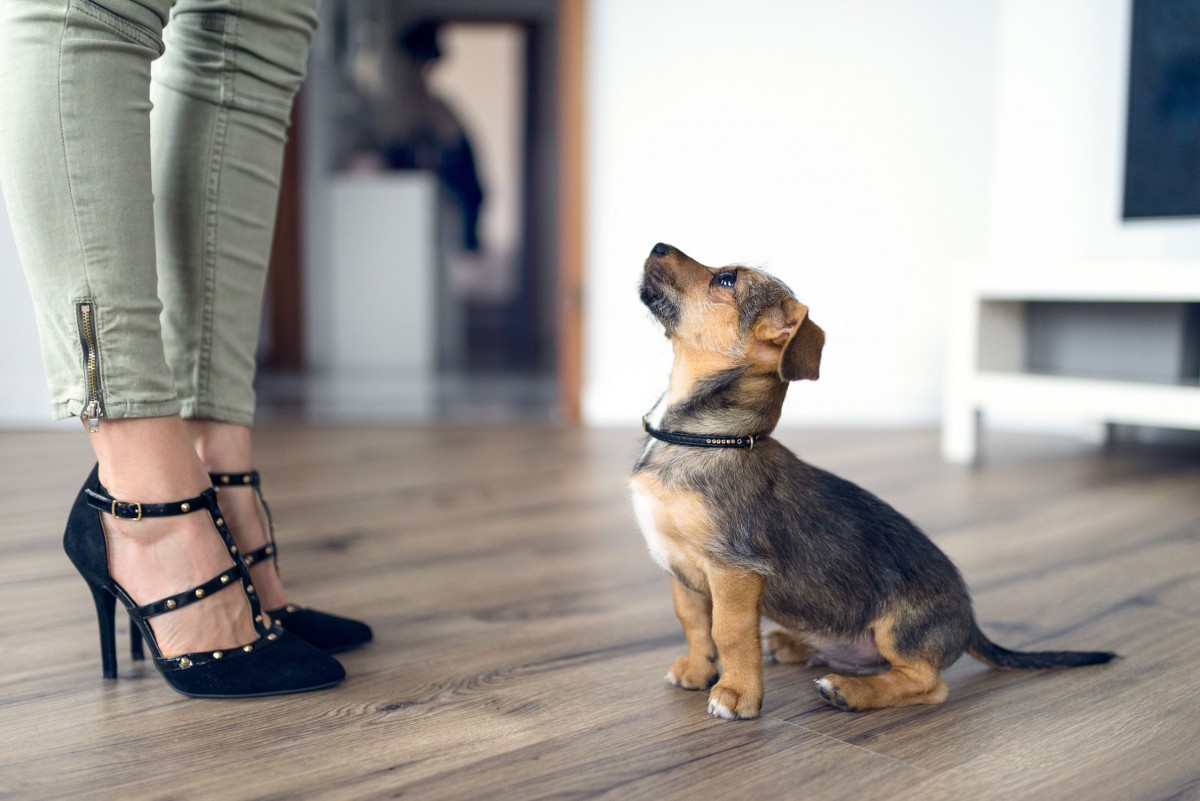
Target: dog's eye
(726,279)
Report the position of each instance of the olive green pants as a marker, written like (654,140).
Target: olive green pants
(145,230)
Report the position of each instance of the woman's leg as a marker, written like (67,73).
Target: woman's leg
(75,170)
(222,102)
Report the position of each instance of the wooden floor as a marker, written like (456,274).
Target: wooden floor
(523,633)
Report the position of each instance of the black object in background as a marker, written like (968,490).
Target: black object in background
(1162,146)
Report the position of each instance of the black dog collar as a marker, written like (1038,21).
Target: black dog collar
(700,440)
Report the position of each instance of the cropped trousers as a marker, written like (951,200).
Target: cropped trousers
(143,199)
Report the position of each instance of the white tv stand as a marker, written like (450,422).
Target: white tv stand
(986,372)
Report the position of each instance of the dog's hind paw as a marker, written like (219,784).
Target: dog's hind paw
(785,648)
(831,695)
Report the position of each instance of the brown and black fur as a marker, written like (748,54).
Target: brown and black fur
(854,584)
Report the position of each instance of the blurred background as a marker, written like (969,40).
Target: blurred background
(989,205)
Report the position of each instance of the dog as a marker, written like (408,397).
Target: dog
(745,529)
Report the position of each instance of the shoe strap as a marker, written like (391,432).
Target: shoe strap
(133,510)
(207,500)
(198,593)
(201,658)
(251,479)
(259,554)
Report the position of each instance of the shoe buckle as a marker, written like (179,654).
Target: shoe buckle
(127,506)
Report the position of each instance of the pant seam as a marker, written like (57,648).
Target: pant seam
(212,220)
(130,31)
(68,172)
(211,212)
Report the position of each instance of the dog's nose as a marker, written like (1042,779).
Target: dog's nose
(660,249)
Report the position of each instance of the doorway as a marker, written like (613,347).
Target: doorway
(473,95)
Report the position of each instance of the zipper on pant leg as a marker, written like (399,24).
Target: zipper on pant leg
(93,410)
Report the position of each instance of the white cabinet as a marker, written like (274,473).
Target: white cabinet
(379,314)
(987,358)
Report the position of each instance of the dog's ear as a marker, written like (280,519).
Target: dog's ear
(802,341)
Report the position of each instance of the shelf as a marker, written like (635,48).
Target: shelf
(987,365)
(1136,282)
(1095,400)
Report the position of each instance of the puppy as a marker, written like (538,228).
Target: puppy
(747,529)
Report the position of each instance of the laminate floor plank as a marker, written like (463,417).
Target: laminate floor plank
(522,632)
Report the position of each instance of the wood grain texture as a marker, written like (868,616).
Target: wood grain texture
(523,633)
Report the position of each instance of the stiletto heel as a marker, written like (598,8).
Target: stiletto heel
(106,607)
(331,633)
(275,663)
(135,643)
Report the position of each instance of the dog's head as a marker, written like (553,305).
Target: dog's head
(725,317)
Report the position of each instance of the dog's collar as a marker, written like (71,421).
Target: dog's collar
(700,440)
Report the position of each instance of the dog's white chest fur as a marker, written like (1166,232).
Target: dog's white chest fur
(645,507)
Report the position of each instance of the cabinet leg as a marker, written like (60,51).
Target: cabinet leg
(960,435)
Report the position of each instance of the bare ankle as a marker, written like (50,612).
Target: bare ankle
(221,447)
(148,460)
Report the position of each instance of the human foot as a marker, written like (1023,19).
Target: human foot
(250,526)
(225,448)
(150,461)
(153,559)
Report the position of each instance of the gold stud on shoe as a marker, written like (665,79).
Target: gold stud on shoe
(171,603)
(224,579)
(185,662)
(220,522)
(199,592)
(258,618)
(247,648)
(272,636)
(246,479)
(249,588)
(224,479)
(185,507)
(249,560)
(233,549)
(291,607)
(218,654)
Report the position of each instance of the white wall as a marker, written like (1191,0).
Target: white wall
(843,145)
(1058,171)
(24,400)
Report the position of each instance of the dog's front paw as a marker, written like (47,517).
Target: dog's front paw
(732,703)
(828,687)
(687,674)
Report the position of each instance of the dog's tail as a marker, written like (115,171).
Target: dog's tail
(986,651)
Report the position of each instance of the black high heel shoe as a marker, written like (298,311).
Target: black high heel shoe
(276,663)
(331,633)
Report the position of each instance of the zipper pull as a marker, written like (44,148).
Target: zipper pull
(92,413)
